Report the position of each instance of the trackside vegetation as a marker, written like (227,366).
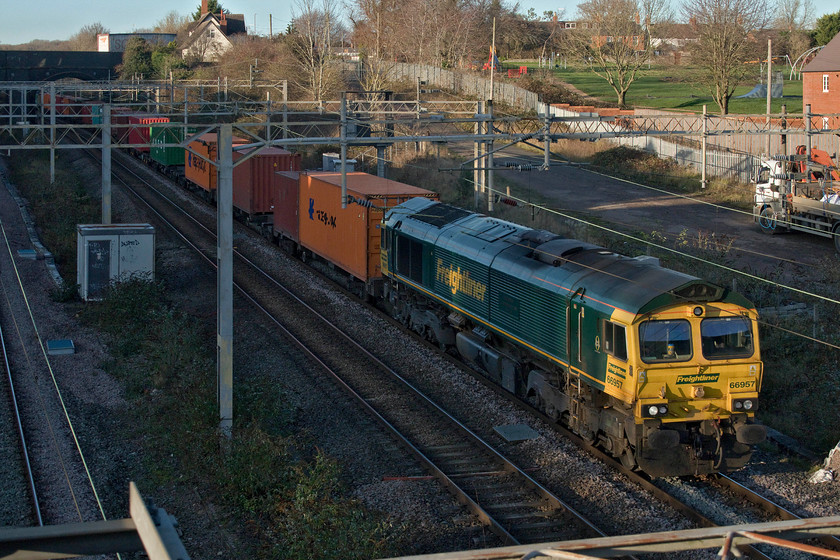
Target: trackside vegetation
(283,495)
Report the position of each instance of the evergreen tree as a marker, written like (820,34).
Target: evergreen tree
(137,59)
(827,28)
(213,7)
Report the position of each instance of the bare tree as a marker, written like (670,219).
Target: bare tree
(612,39)
(725,29)
(554,18)
(795,20)
(371,27)
(172,22)
(313,32)
(85,38)
(435,32)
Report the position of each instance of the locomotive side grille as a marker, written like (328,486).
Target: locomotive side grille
(541,313)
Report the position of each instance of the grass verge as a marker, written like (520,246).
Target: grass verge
(282,495)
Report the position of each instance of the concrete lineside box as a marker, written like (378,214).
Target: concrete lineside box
(110,253)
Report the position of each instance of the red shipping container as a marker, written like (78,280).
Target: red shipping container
(286,191)
(254,179)
(119,125)
(138,132)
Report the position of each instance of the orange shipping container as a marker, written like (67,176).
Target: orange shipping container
(254,179)
(199,171)
(349,237)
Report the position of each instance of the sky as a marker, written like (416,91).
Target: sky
(60,19)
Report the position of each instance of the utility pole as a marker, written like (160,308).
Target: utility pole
(703,150)
(224,286)
(52,133)
(106,164)
(769,86)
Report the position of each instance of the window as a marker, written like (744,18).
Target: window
(571,25)
(665,341)
(825,83)
(825,123)
(410,259)
(726,337)
(615,340)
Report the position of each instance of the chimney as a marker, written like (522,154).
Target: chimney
(204,8)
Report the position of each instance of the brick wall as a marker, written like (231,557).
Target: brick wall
(820,101)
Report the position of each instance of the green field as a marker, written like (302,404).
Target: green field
(675,87)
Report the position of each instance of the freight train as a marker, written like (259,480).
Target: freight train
(658,368)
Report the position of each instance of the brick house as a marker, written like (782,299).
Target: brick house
(821,85)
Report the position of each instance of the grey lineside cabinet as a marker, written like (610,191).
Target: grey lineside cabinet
(113,253)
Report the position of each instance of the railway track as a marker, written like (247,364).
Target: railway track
(21,434)
(516,508)
(54,475)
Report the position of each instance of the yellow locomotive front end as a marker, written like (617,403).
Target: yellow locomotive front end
(697,386)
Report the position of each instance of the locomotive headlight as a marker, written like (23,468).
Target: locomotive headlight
(698,311)
(744,405)
(655,410)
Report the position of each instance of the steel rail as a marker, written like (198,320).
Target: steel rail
(768,505)
(18,421)
(448,481)
(640,479)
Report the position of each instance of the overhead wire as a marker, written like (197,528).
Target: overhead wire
(601,271)
(676,251)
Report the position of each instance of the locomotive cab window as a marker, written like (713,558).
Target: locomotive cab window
(410,259)
(726,337)
(615,340)
(665,341)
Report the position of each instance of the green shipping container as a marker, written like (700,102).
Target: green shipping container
(172,155)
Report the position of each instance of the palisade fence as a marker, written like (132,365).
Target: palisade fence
(727,155)
(469,84)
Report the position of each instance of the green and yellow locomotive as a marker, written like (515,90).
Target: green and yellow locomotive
(659,368)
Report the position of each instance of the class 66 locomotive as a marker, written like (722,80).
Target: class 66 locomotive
(658,368)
